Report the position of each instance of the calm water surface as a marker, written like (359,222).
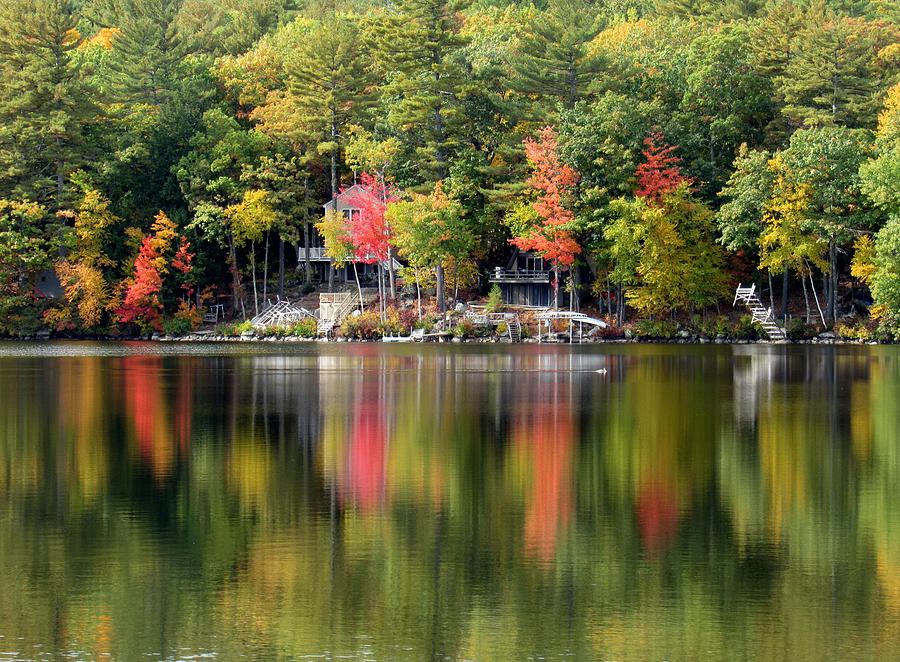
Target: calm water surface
(367,502)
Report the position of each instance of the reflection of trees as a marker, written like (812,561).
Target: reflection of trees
(463,502)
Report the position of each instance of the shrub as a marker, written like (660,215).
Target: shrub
(494,299)
(366,326)
(502,329)
(305,328)
(177,326)
(655,329)
(797,329)
(464,329)
(746,329)
(855,331)
(244,327)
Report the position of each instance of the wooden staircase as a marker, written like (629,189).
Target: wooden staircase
(515,329)
(761,314)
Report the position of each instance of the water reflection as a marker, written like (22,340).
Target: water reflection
(470,503)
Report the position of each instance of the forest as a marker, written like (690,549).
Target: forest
(160,155)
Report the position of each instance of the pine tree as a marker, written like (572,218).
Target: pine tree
(419,43)
(45,106)
(557,61)
(329,83)
(833,79)
(149,47)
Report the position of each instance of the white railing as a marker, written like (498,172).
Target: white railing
(520,274)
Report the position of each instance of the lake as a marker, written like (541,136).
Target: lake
(438,502)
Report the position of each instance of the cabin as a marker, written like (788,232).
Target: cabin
(348,203)
(526,280)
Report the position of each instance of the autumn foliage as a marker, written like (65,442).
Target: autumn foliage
(159,255)
(555,181)
(370,233)
(660,173)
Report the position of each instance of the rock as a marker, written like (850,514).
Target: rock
(684,334)
(628,334)
(43,334)
(704,341)
(460,307)
(456,339)
(156,336)
(827,335)
(247,335)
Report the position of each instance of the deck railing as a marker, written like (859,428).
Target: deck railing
(499,275)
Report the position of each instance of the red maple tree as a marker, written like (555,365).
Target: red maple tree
(142,302)
(660,173)
(553,238)
(369,231)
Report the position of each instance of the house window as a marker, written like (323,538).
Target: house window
(534,263)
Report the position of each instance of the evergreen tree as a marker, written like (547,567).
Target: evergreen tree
(329,82)
(833,79)
(149,47)
(45,106)
(420,42)
(557,60)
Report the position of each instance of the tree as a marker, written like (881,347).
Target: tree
(832,79)
(329,82)
(84,272)
(419,43)
(162,268)
(250,219)
(370,230)
(150,47)
(827,161)
(726,101)
(339,247)
(25,249)
(664,249)
(557,60)
(374,158)
(210,176)
(554,182)
(45,105)
(429,229)
(660,173)
(747,192)
(786,241)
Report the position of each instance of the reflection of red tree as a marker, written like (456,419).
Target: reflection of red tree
(657,513)
(184,406)
(146,407)
(546,430)
(367,450)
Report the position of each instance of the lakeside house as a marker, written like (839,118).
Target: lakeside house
(526,280)
(349,203)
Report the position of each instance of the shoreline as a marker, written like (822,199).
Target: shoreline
(203,339)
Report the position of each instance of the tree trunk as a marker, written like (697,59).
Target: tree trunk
(441,303)
(805,296)
(280,267)
(771,291)
(253,276)
(266,270)
(785,278)
(833,269)
(392,278)
(812,284)
(236,298)
(418,295)
(358,288)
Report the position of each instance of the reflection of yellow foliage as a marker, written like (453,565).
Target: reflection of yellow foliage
(861,420)
(248,470)
(81,395)
(889,577)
